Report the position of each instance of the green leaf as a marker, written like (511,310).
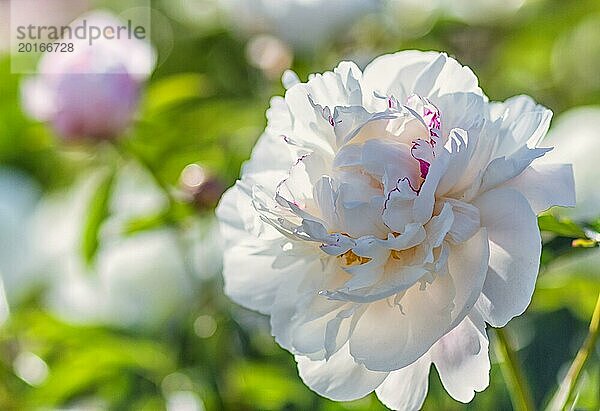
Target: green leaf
(176,89)
(595,225)
(149,222)
(89,361)
(561,227)
(98,211)
(564,288)
(265,386)
(104,365)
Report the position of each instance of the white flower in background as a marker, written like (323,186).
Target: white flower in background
(385,216)
(93,92)
(137,280)
(305,24)
(18,197)
(575,138)
(202,189)
(206,248)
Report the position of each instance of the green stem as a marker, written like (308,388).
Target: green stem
(565,389)
(516,382)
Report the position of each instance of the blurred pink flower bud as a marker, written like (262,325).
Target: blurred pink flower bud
(200,187)
(98,106)
(94,91)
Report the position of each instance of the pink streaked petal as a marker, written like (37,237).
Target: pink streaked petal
(429,113)
(422,151)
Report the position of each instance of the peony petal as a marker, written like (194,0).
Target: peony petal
(546,185)
(339,378)
(397,209)
(250,279)
(395,160)
(468,265)
(462,359)
(326,198)
(279,118)
(309,130)
(289,79)
(231,222)
(350,76)
(515,248)
(425,201)
(439,225)
(298,301)
(348,120)
(309,337)
(338,88)
(444,75)
(270,162)
(466,221)
(238,217)
(340,328)
(297,186)
(459,147)
(394,75)
(406,388)
(470,118)
(523,121)
(360,218)
(403,333)
(313,313)
(502,169)
(349,155)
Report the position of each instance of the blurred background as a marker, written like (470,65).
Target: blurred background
(110,287)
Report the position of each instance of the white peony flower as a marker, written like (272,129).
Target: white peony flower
(304,24)
(384,218)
